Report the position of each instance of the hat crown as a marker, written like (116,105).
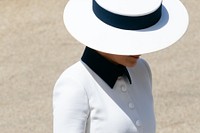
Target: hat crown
(130,7)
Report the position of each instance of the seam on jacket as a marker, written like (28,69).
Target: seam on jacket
(148,69)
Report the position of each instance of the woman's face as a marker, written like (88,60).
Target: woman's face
(125,60)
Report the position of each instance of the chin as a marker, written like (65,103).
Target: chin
(131,64)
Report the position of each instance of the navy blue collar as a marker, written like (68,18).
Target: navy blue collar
(105,69)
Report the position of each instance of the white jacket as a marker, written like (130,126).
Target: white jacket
(84,103)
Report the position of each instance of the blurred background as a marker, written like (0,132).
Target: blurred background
(35,49)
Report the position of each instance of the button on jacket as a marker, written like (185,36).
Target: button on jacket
(84,103)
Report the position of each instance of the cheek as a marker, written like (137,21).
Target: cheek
(123,61)
(120,60)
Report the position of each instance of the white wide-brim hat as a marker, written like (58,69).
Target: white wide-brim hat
(86,22)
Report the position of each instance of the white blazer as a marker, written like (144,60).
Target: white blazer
(84,103)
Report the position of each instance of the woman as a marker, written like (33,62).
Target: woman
(110,89)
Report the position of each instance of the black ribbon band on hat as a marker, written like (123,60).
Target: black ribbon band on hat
(127,22)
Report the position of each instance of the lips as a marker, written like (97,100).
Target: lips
(136,56)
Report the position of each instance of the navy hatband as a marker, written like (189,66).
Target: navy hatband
(127,22)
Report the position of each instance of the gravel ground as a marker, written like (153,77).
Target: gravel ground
(35,48)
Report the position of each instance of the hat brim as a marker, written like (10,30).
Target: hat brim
(84,26)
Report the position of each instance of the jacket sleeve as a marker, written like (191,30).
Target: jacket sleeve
(70,107)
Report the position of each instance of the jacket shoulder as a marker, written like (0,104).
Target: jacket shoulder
(76,73)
